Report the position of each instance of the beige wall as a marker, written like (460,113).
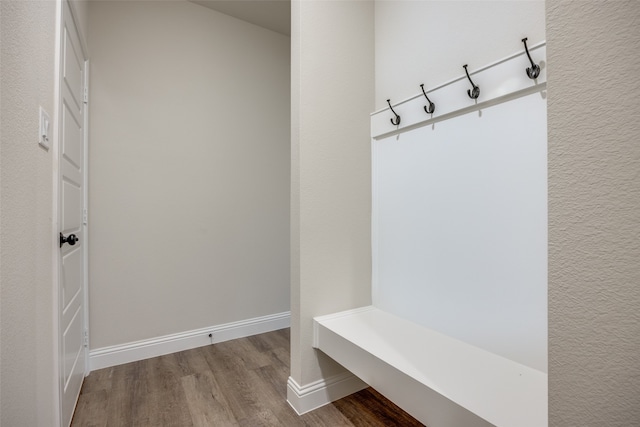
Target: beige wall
(188,170)
(594,213)
(332,92)
(27,381)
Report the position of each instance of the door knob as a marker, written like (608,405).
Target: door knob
(70,239)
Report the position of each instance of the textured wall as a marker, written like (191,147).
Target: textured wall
(332,91)
(27,30)
(594,213)
(188,170)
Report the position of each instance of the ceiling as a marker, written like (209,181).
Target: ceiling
(274,15)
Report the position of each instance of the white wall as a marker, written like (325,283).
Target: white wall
(189,170)
(27,64)
(429,41)
(332,92)
(460,226)
(594,213)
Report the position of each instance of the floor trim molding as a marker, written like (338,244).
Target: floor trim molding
(319,393)
(130,352)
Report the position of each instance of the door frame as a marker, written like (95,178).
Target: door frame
(56,214)
(85,210)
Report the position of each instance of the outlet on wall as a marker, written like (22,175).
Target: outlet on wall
(44,129)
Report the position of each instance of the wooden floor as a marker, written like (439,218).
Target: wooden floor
(235,383)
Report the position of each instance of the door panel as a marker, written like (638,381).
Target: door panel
(71,208)
(72,138)
(73,65)
(72,277)
(72,341)
(71,309)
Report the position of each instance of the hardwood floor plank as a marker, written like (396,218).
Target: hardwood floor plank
(284,357)
(251,356)
(370,408)
(272,376)
(91,409)
(100,380)
(270,385)
(326,416)
(120,407)
(141,398)
(271,340)
(233,376)
(253,400)
(262,418)
(163,401)
(185,363)
(207,404)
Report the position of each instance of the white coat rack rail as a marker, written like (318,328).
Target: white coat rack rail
(499,82)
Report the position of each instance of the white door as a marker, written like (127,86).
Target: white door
(71,310)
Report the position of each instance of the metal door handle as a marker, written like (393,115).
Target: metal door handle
(70,239)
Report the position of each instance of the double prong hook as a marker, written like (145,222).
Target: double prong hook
(475,92)
(534,71)
(397,122)
(432,106)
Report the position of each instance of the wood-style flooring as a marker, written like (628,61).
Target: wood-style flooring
(234,383)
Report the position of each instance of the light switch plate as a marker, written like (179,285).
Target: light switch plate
(44,129)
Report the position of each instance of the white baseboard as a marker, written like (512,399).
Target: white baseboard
(119,354)
(319,393)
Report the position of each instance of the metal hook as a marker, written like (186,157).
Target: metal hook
(432,106)
(397,122)
(475,92)
(534,71)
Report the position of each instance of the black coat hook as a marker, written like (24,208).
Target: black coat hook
(534,71)
(432,106)
(397,122)
(475,92)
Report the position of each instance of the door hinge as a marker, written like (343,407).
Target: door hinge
(84,217)
(86,95)
(85,339)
